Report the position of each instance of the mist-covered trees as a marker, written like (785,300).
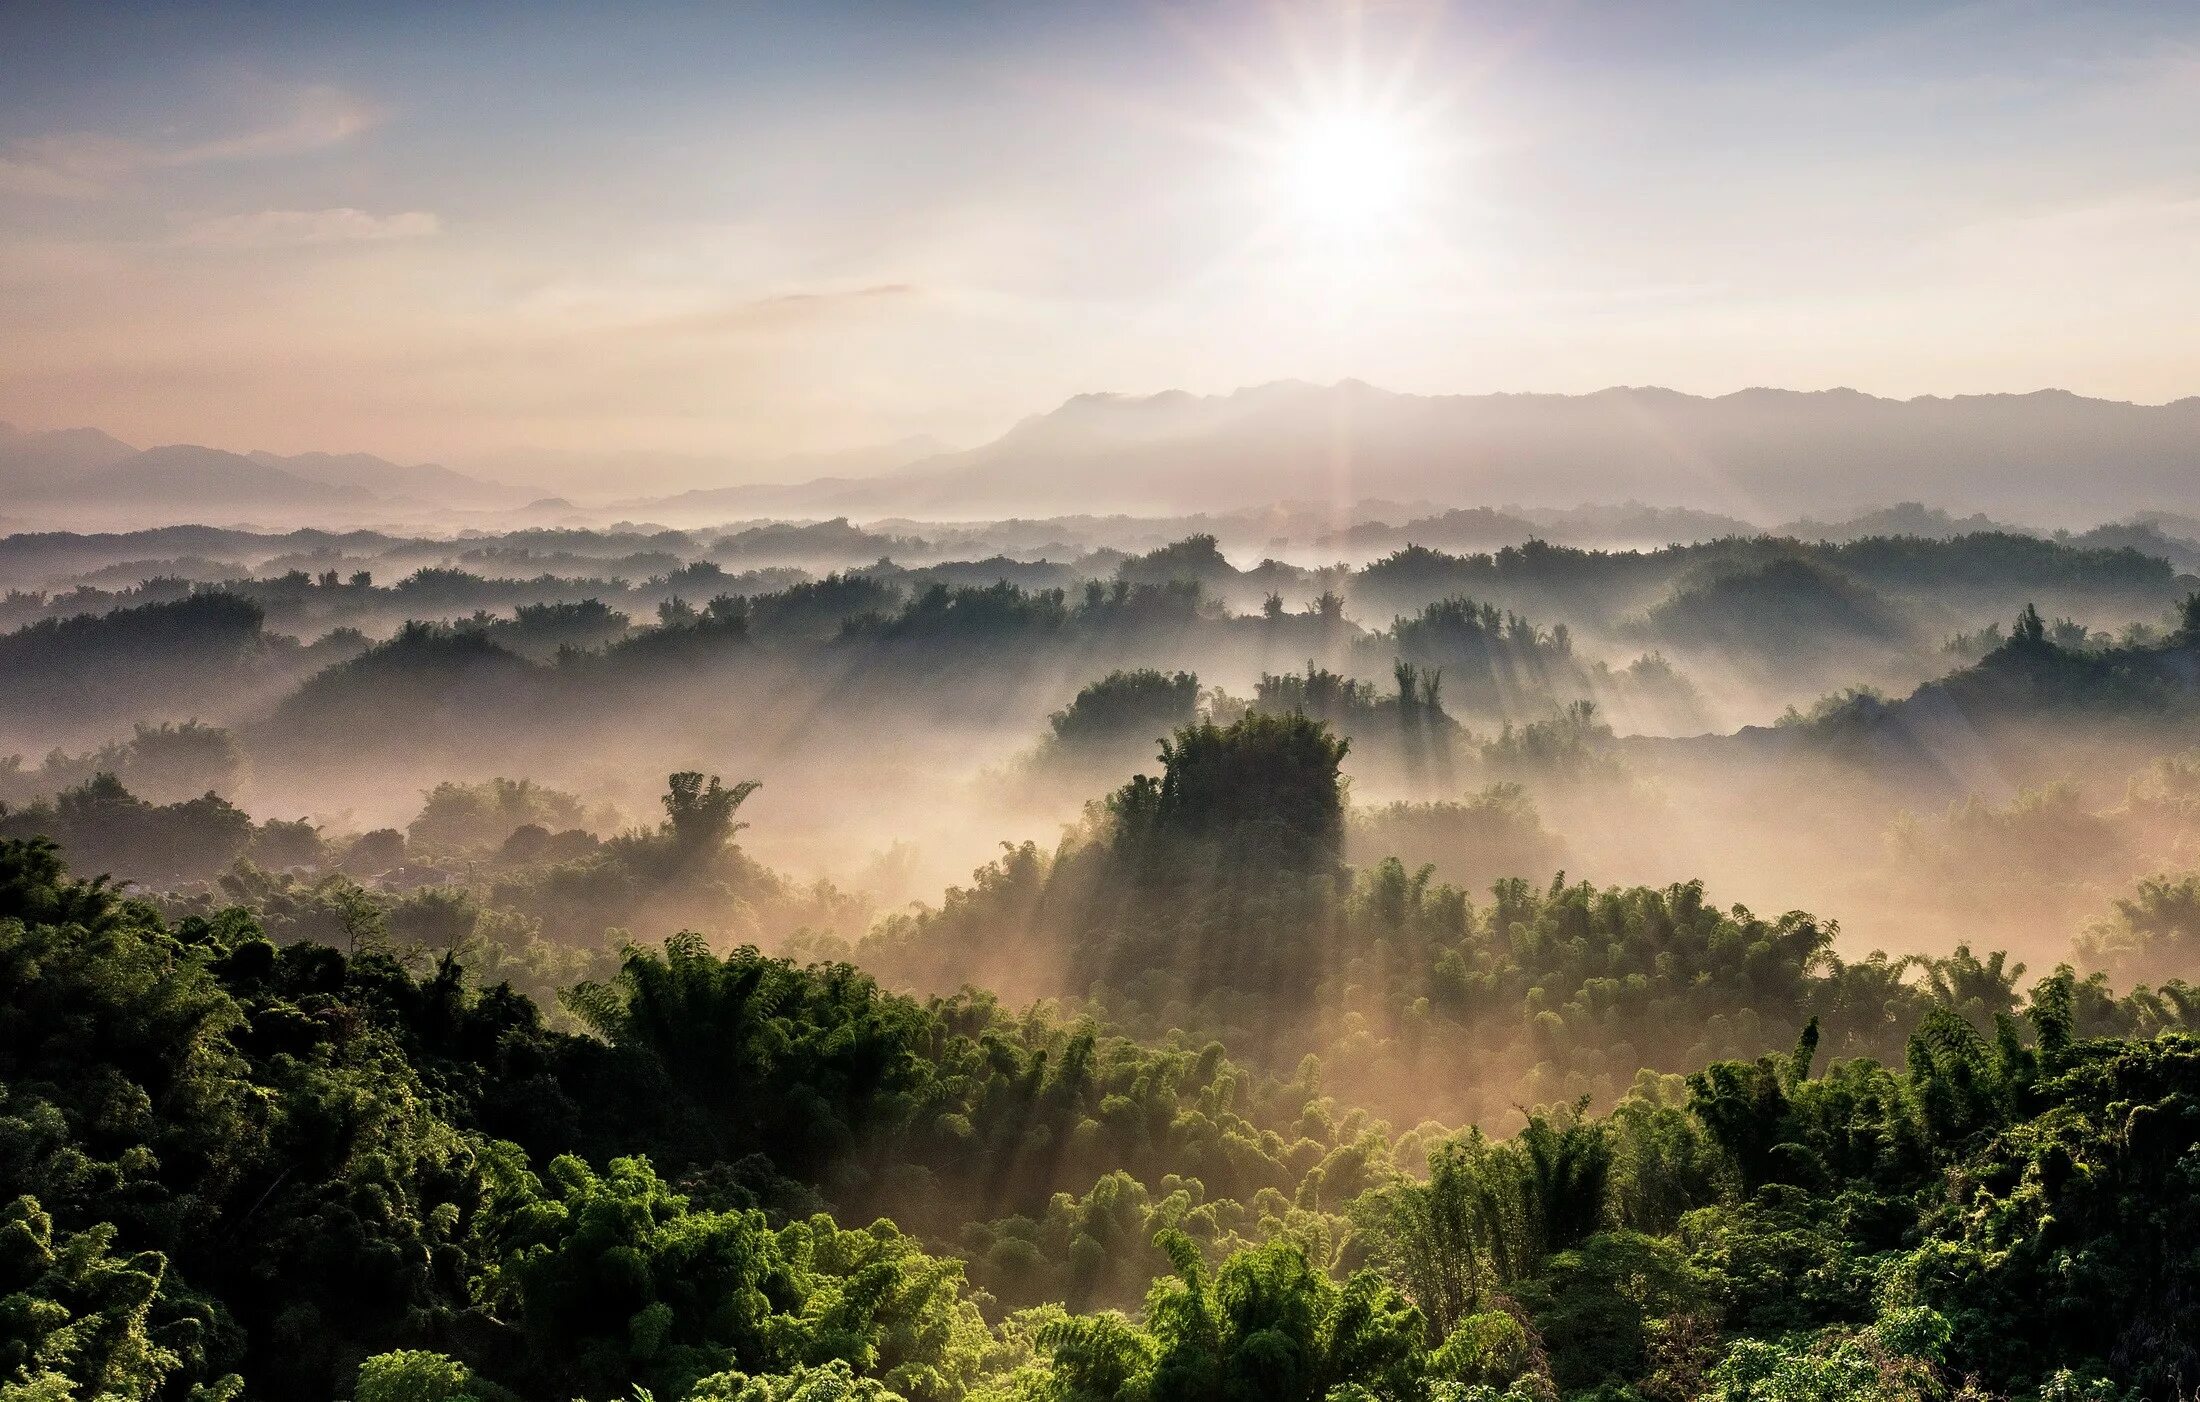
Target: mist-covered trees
(1211,873)
(1197,558)
(2151,936)
(1138,707)
(84,676)
(115,831)
(1786,611)
(1470,842)
(165,763)
(1265,791)
(300,1172)
(2031,677)
(1213,898)
(541,629)
(1496,661)
(817,608)
(461,818)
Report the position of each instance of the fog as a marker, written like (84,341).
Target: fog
(911,696)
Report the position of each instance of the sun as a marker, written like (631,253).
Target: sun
(1345,167)
(1347,171)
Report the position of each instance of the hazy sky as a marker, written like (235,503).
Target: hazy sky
(747,230)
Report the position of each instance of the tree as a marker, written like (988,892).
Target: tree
(416,1375)
(74,1314)
(617,1279)
(699,817)
(756,1055)
(1892,1360)
(1124,706)
(1442,1239)
(1266,790)
(474,818)
(2030,631)
(1564,1168)
(1266,1327)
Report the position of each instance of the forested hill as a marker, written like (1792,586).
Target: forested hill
(240,1168)
(2029,675)
(2030,690)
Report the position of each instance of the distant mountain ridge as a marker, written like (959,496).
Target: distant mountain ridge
(33,463)
(185,475)
(1756,454)
(1765,455)
(84,473)
(380,476)
(701,478)
(1760,454)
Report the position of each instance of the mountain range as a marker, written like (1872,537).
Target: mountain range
(83,476)
(1757,455)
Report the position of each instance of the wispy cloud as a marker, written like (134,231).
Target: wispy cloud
(68,165)
(295,228)
(85,165)
(779,309)
(307,119)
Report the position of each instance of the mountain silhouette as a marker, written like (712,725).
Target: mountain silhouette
(84,476)
(1762,455)
(1757,453)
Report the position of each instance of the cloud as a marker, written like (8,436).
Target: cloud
(298,228)
(318,116)
(68,165)
(796,300)
(84,165)
(20,177)
(779,310)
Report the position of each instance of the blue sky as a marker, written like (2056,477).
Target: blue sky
(743,230)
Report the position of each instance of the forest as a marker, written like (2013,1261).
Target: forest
(1088,961)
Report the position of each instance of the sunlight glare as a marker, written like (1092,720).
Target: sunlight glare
(1347,172)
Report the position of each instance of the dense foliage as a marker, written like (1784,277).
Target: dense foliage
(294,1173)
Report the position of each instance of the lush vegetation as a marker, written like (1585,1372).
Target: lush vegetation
(294,1172)
(1302,1065)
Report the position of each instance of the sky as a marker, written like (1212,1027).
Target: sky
(722,234)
